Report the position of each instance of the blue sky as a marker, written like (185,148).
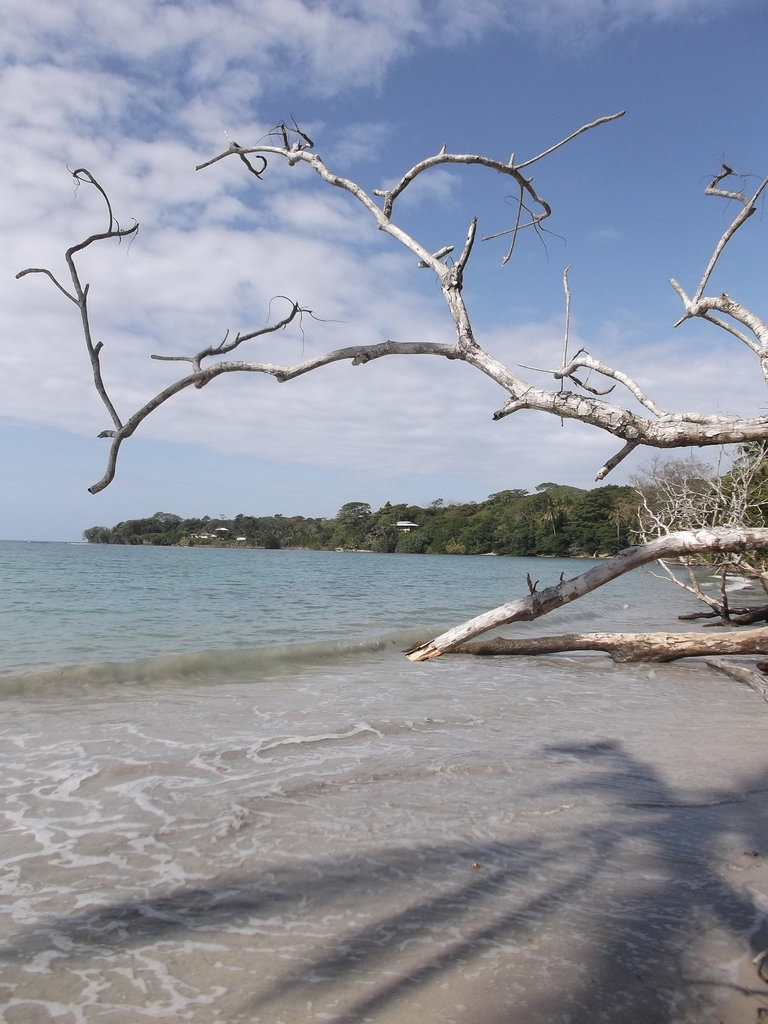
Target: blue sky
(140,93)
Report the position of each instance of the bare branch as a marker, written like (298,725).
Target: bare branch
(82,174)
(567,290)
(615,460)
(390,196)
(586,403)
(573,135)
(439,255)
(226,346)
(628,647)
(79,294)
(536,604)
(357,355)
(583,360)
(516,229)
(42,270)
(725,326)
(466,251)
(685,494)
(700,305)
(668,430)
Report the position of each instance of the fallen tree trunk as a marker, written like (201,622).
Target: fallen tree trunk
(624,647)
(538,603)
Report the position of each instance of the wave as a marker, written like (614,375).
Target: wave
(212,666)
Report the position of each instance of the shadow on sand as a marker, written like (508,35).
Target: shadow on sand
(627,920)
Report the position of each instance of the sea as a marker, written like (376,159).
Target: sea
(226,796)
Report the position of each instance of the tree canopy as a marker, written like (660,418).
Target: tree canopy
(563,520)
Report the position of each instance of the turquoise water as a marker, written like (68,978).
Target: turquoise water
(226,797)
(72,604)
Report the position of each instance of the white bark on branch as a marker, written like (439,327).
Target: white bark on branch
(538,603)
(744,675)
(749,206)
(656,428)
(652,426)
(79,294)
(627,647)
(755,335)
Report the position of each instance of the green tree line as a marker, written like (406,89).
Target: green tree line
(555,520)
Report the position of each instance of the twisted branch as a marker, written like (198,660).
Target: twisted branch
(585,403)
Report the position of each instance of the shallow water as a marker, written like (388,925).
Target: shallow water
(273,832)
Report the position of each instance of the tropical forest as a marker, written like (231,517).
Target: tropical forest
(554,520)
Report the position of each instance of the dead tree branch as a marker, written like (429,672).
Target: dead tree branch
(540,602)
(652,426)
(79,293)
(748,676)
(688,494)
(627,647)
(584,402)
(752,330)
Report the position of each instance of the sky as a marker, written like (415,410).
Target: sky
(142,93)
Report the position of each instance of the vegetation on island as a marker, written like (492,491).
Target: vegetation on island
(555,520)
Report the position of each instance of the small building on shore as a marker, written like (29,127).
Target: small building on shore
(404,526)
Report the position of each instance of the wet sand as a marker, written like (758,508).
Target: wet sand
(511,862)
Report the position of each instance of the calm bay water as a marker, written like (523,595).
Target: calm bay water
(66,604)
(227,797)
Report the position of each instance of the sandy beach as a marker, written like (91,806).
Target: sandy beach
(328,833)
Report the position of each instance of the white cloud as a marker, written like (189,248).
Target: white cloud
(332,45)
(605,236)
(586,21)
(354,142)
(141,93)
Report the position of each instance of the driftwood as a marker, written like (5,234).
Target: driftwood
(746,618)
(624,647)
(745,675)
(737,616)
(539,602)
